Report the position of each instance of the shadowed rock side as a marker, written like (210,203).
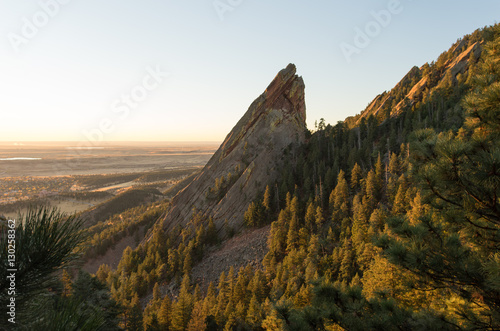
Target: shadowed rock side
(249,158)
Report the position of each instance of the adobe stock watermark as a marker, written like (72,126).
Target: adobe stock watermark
(127,102)
(31,26)
(222,7)
(120,110)
(372,29)
(11,271)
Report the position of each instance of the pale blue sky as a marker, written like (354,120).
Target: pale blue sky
(65,80)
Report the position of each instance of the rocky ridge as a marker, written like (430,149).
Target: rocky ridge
(249,158)
(415,82)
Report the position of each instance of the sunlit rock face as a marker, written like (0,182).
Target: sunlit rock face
(250,157)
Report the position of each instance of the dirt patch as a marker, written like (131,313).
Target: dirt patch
(249,247)
(113,255)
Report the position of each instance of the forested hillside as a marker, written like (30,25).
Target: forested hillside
(387,221)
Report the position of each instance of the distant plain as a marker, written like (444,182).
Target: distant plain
(75,176)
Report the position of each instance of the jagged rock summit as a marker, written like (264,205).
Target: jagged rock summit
(249,158)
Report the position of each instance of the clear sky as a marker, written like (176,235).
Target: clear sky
(92,69)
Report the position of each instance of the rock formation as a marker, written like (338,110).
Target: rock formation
(249,158)
(457,63)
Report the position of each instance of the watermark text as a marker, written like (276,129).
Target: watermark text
(222,7)
(372,29)
(11,270)
(30,27)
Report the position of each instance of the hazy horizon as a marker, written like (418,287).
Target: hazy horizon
(105,143)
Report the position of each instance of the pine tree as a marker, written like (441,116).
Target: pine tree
(394,167)
(379,169)
(292,238)
(340,199)
(393,175)
(399,205)
(156,293)
(209,304)
(373,187)
(222,298)
(303,296)
(359,224)
(230,279)
(186,267)
(173,261)
(347,265)
(320,219)
(181,312)
(211,232)
(198,318)
(230,307)
(103,272)
(165,313)
(240,294)
(230,323)
(278,235)
(95,299)
(153,325)
(272,322)
(255,214)
(240,311)
(268,201)
(135,322)
(254,314)
(310,218)
(256,286)
(356,177)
